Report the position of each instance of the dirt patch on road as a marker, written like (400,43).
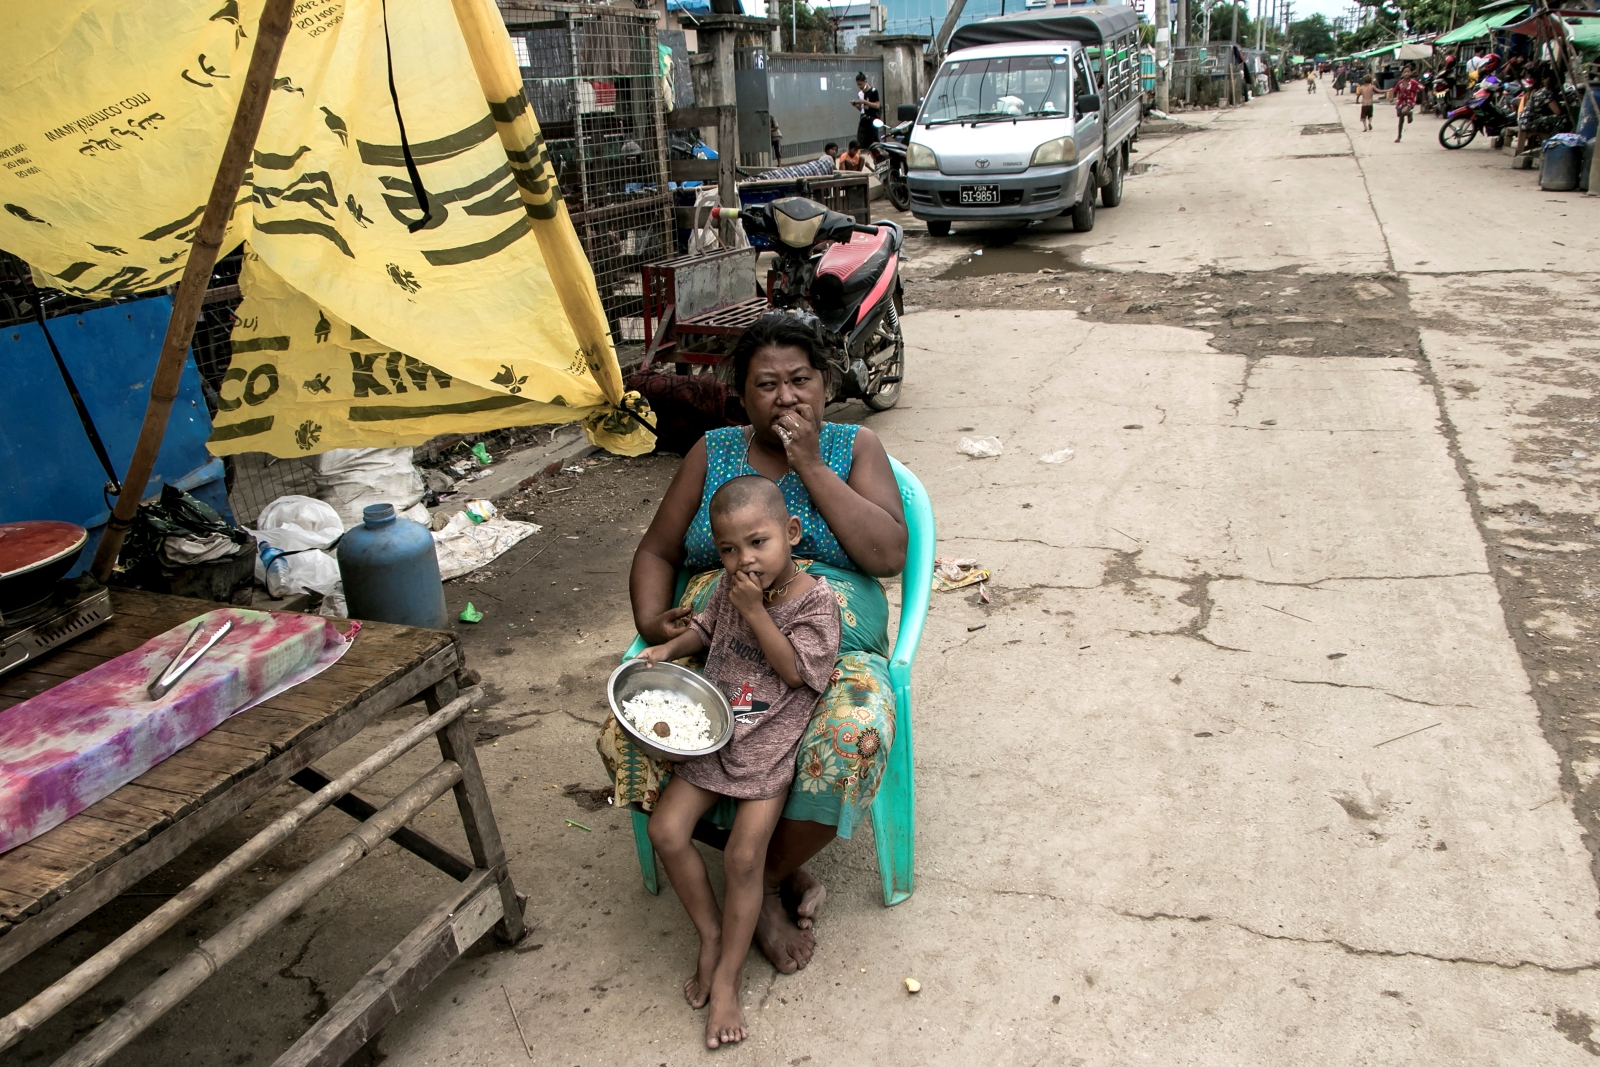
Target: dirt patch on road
(1276,312)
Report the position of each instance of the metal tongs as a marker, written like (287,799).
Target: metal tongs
(187,656)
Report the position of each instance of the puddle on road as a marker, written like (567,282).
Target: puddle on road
(1144,166)
(1009,259)
(1320,128)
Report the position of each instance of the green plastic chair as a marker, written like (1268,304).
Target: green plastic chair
(894,808)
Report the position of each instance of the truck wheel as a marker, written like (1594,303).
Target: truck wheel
(1083,211)
(1111,192)
(938,227)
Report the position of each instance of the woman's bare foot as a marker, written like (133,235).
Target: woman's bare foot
(725,1023)
(697,987)
(786,946)
(808,893)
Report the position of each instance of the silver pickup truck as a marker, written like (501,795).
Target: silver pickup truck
(1030,116)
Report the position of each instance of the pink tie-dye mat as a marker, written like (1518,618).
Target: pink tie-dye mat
(81,741)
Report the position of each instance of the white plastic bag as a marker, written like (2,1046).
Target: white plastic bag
(980,447)
(351,478)
(1062,456)
(288,573)
(294,523)
(706,236)
(464,545)
(291,534)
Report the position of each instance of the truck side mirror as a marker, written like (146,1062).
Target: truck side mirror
(1088,102)
(905,113)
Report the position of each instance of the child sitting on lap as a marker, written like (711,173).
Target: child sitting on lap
(773,633)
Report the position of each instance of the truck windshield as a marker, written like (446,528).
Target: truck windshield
(1007,87)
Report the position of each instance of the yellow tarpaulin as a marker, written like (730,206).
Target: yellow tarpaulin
(354,331)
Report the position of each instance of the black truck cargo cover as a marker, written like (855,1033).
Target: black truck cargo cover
(1089,24)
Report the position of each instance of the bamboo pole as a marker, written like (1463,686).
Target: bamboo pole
(162,995)
(270,34)
(571,274)
(91,972)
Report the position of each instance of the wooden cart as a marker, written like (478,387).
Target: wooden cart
(51,883)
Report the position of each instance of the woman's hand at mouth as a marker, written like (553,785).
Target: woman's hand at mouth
(801,433)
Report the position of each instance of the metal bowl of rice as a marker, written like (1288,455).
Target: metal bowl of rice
(636,681)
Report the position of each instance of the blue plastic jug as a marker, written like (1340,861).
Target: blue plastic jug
(390,571)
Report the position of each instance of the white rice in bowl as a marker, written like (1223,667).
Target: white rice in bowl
(688,725)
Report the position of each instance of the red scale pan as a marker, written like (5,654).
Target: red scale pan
(33,557)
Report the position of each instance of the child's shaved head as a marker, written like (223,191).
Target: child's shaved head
(747,490)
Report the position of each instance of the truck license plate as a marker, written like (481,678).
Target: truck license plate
(980,194)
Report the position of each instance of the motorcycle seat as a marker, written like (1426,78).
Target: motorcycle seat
(853,263)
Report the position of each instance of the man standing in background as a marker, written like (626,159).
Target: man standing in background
(870,105)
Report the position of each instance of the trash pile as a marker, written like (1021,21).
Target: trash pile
(297,537)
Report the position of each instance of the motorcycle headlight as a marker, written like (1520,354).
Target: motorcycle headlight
(1060,150)
(921,157)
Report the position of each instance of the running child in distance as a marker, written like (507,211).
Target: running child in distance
(1364,96)
(773,634)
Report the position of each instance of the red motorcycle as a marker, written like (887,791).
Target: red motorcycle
(1478,114)
(847,276)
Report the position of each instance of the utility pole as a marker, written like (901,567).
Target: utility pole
(1183,23)
(1163,56)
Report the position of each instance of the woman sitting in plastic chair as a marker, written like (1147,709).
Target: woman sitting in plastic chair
(841,484)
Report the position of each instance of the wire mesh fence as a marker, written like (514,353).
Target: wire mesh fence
(591,75)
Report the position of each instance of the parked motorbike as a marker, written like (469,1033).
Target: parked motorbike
(1432,92)
(1479,113)
(847,276)
(890,152)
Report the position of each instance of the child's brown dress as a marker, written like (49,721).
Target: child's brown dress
(768,716)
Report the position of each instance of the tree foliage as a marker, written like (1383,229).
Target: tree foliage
(1394,19)
(818,29)
(1311,36)
(1221,23)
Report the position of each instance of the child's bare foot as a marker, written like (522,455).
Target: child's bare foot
(786,946)
(809,893)
(725,1023)
(697,987)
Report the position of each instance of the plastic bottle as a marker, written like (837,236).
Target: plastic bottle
(390,570)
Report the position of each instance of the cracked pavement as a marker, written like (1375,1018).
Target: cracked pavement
(1276,746)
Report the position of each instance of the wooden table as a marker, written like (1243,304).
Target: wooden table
(55,880)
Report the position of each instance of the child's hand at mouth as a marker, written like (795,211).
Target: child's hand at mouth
(745,594)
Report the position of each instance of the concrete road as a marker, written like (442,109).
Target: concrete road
(1277,742)
(1245,766)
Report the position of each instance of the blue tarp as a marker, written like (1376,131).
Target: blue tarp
(47,468)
